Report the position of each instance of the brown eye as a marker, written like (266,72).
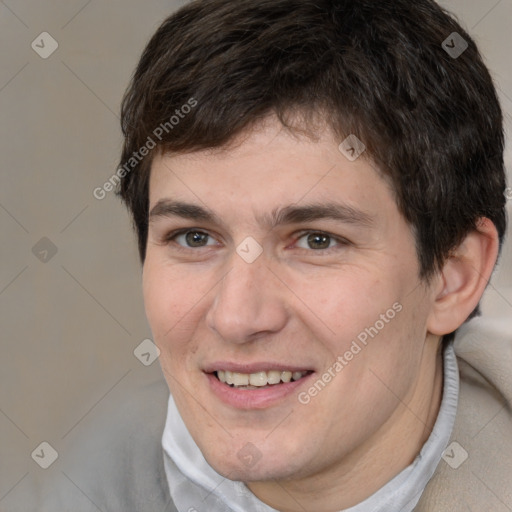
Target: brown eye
(318,241)
(192,239)
(196,239)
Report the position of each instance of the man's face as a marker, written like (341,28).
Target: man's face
(334,300)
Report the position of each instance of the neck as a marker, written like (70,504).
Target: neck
(370,466)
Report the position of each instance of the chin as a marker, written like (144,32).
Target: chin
(264,473)
(262,467)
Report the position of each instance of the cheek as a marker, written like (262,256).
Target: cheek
(170,305)
(160,309)
(372,377)
(346,304)
(371,322)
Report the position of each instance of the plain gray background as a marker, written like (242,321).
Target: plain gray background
(70,321)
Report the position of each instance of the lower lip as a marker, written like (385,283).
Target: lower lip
(254,398)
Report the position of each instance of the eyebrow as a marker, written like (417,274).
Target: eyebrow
(291,214)
(169,208)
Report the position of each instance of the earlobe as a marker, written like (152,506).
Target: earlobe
(463,279)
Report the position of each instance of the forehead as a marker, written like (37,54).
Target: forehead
(267,168)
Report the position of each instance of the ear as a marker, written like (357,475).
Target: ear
(463,279)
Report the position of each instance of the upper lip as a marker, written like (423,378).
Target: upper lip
(253,367)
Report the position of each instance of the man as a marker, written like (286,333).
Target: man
(318,194)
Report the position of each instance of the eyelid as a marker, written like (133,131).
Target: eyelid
(172,235)
(339,239)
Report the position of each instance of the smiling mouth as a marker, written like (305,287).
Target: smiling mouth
(259,380)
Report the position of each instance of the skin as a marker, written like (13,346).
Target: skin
(299,305)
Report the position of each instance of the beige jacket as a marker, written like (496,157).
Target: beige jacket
(483,426)
(115,463)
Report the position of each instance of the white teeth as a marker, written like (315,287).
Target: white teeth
(240,379)
(258,379)
(273,377)
(286,376)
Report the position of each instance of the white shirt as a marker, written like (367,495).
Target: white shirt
(196,487)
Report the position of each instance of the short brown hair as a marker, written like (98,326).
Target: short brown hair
(430,121)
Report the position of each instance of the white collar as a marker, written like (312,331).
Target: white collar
(195,486)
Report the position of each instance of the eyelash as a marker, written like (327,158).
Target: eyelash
(343,242)
(170,238)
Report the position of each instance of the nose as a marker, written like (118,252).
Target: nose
(248,303)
